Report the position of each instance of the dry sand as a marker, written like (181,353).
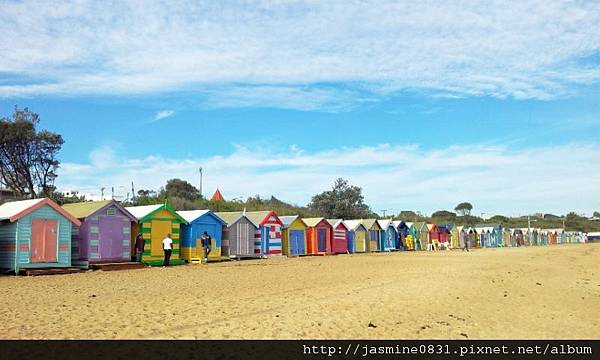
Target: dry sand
(537,292)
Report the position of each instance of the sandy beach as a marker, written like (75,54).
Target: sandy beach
(536,292)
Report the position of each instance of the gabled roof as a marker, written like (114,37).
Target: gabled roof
(217,196)
(14,210)
(337,222)
(82,210)
(289,219)
(385,223)
(144,212)
(353,225)
(431,226)
(192,215)
(258,218)
(312,222)
(409,224)
(419,225)
(231,218)
(368,223)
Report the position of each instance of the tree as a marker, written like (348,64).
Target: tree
(343,201)
(464,209)
(443,214)
(597,214)
(180,189)
(28,161)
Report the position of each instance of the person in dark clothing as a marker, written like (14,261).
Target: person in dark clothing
(206,245)
(468,238)
(139,247)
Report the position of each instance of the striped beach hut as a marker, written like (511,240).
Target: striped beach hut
(154,222)
(357,236)
(373,234)
(318,236)
(293,236)
(104,235)
(35,234)
(238,235)
(267,239)
(199,221)
(517,237)
(388,235)
(339,236)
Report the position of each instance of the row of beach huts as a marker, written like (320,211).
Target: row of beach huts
(39,234)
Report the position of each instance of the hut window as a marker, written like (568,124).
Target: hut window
(111,212)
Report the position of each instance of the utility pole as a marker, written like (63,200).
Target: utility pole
(102,193)
(112,192)
(132,193)
(383,211)
(200,169)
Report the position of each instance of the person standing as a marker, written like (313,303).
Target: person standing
(167,248)
(467,239)
(139,247)
(206,244)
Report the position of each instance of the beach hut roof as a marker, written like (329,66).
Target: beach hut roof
(430,226)
(337,222)
(312,221)
(384,223)
(191,215)
(459,227)
(231,218)
(419,225)
(353,225)
(397,223)
(289,219)
(368,223)
(145,211)
(84,209)
(14,210)
(258,218)
(410,224)
(450,226)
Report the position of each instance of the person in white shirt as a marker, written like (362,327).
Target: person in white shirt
(167,248)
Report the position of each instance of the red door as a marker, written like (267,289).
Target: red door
(43,240)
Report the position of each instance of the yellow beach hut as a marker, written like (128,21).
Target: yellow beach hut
(154,223)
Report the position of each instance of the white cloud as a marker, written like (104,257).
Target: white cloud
(296,54)
(163,114)
(495,179)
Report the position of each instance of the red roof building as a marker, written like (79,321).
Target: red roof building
(217,196)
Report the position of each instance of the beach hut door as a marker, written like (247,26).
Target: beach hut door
(322,234)
(160,229)
(296,242)
(43,240)
(264,242)
(111,238)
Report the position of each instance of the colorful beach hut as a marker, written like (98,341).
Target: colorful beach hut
(237,240)
(154,222)
(444,235)
(411,237)
(423,235)
(35,234)
(388,235)
(104,235)
(293,236)
(401,233)
(373,234)
(433,239)
(267,239)
(455,236)
(339,236)
(357,236)
(199,221)
(318,236)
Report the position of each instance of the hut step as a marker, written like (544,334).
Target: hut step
(50,271)
(116,266)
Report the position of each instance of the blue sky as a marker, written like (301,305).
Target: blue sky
(422,105)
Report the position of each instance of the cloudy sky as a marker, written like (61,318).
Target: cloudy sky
(423,104)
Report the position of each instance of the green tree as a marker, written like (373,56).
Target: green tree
(28,160)
(464,209)
(180,189)
(597,214)
(443,214)
(343,201)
